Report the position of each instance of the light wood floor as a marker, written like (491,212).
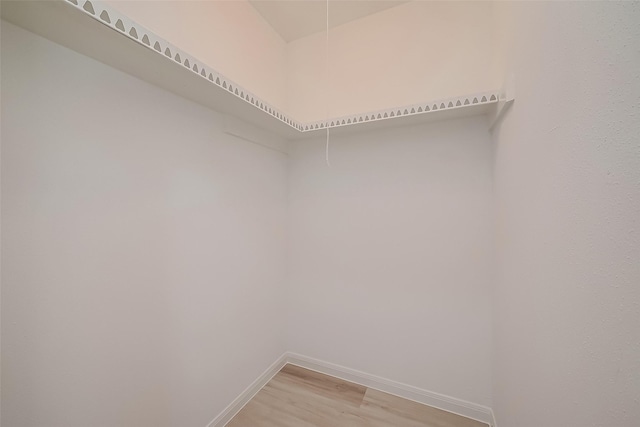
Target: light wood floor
(297,397)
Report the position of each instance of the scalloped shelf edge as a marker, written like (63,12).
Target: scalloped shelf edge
(144,54)
(441,109)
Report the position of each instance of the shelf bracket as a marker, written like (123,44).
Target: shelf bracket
(505,100)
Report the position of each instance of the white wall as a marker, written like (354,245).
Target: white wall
(567,172)
(143,249)
(404,55)
(390,255)
(228,35)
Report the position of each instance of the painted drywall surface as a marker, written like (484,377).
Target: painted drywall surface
(567,175)
(229,36)
(143,249)
(408,54)
(390,255)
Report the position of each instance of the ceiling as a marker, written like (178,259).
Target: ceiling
(294,19)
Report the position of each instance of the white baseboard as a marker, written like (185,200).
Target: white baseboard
(437,400)
(446,403)
(234,407)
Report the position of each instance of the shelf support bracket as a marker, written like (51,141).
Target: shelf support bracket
(505,100)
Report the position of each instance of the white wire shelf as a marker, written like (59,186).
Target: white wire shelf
(95,29)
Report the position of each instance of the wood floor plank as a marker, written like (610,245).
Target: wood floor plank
(326,385)
(298,397)
(394,410)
